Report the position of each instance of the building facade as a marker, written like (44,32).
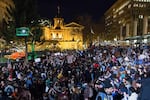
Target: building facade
(63,36)
(128,18)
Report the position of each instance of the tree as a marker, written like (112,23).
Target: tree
(6,9)
(89,24)
(36,33)
(9,32)
(26,11)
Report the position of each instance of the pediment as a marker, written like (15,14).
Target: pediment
(73,24)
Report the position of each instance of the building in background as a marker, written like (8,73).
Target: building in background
(63,36)
(128,18)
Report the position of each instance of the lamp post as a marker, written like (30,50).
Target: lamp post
(24,32)
(26,51)
(32,47)
(2,43)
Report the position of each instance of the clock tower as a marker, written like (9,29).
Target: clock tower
(58,21)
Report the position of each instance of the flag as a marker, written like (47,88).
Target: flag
(92,31)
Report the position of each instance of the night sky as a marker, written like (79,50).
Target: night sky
(70,9)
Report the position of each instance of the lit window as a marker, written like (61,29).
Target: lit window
(141,5)
(141,16)
(121,12)
(60,35)
(54,35)
(119,22)
(114,16)
(135,5)
(129,6)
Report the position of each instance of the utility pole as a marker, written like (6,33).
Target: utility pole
(26,51)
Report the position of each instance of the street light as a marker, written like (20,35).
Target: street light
(24,32)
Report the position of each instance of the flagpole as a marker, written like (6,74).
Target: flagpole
(92,32)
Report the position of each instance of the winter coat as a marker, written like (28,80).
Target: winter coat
(101,95)
(133,96)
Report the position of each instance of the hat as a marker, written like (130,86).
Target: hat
(107,84)
(121,69)
(139,81)
(124,90)
(132,89)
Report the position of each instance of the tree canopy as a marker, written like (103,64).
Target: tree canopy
(6,9)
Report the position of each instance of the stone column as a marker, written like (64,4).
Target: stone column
(121,37)
(145,25)
(135,27)
(127,30)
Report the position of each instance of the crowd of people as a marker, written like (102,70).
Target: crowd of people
(97,73)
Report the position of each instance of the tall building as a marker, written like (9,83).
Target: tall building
(128,18)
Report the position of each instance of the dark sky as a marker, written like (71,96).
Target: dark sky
(69,9)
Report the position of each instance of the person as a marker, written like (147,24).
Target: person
(105,92)
(52,93)
(9,89)
(133,95)
(64,94)
(23,94)
(76,93)
(101,95)
(144,91)
(86,91)
(74,76)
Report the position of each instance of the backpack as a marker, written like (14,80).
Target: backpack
(101,96)
(9,91)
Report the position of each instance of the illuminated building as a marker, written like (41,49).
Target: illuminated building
(63,36)
(128,18)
